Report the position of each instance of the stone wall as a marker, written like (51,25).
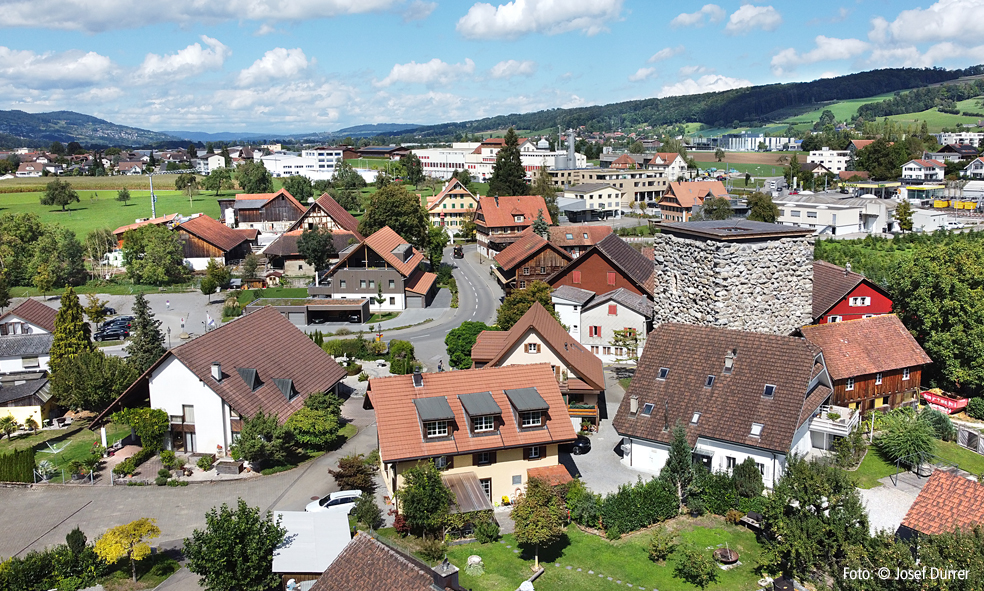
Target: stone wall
(760,286)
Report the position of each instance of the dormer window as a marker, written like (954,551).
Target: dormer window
(483,424)
(518,218)
(756,429)
(436,429)
(533,418)
(663,372)
(769,391)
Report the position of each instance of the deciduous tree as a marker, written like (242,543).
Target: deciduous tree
(91,380)
(520,301)
(59,193)
(153,255)
(399,209)
(761,208)
(508,174)
(424,498)
(253,177)
(218,179)
(250,264)
(299,187)
(72,335)
(437,240)
(218,272)
(719,154)
(146,340)
(263,439)
(317,246)
(128,541)
(460,341)
(314,429)
(717,208)
(355,474)
(539,514)
(187,183)
(414,169)
(903,215)
(123,196)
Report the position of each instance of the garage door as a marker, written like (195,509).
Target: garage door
(415,301)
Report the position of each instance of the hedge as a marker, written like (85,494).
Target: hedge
(17,466)
(637,506)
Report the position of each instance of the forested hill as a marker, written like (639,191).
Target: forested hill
(751,106)
(40,129)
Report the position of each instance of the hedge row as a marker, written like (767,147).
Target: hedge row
(17,466)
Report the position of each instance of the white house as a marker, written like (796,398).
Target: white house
(593,320)
(725,388)
(923,170)
(829,214)
(315,163)
(601,200)
(834,160)
(208,163)
(25,337)
(973,138)
(208,385)
(479,158)
(974,170)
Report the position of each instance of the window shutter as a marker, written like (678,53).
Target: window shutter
(576,277)
(526,453)
(543,451)
(475,458)
(612,309)
(450,463)
(538,347)
(491,457)
(611,278)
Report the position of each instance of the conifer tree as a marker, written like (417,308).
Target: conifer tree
(508,174)
(72,333)
(540,226)
(146,340)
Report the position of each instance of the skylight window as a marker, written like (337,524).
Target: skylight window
(769,391)
(695,418)
(757,429)
(647,409)
(709,382)
(663,372)
(569,236)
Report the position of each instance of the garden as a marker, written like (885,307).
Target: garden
(64,455)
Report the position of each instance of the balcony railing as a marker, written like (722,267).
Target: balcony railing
(835,420)
(583,410)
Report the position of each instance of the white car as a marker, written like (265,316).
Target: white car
(342,500)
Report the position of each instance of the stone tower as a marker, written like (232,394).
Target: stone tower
(734,274)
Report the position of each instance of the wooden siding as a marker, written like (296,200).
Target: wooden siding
(549,261)
(866,392)
(594,276)
(879,305)
(194,247)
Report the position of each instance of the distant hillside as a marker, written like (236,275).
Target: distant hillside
(222,136)
(18,127)
(374,129)
(750,107)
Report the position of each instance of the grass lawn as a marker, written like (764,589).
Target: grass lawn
(625,560)
(123,288)
(248,295)
(966,459)
(75,443)
(382,317)
(625,382)
(874,466)
(842,110)
(753,169)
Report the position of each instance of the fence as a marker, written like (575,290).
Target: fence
(972,440)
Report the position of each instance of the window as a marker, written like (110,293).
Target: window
(392,301)
(606,350)
(695,418)
(663,372)
(811,214)
(569,236)
(533,347)
(585,235)
(756,429)
(883,401)
(611,278)
(543,270)
(372,283)
(30,362)
(905,373)
(526,270)
(443,462)
(594,331)
(619,351)
(769,391)
(794,213)
(362,283)
(732,462)
(761,468)
(850,384)
(483,424)
(533,418)
(647,409)
(486,484)
(878,379)
(533,453)
(613,309)
(833,318)
(436,428)
(517,480)
(594,349)
(709,382)
(189,414)
(392,283)
(861,301)
(522,285)
(341,283)
(576,277)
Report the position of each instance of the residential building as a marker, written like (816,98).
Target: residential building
(923,170)
(489,427)
(209,384)
(165,220)
(847,175)
(28,317)
(974,138)
(953,153)
(815,168)
(610,264)
(684,199)
(203,238)
(641,188)
(576,240)
(452,207)
(26,333)
(313,541)
(317,163)
(366,564)
(874,363)
(598,201)
(567,302)
(840,295)
(383,267)
(725,388)
(596,319)
(974,170)
(26,395)
(538,338)
(324,214)
(500,221)
(207,163)
(833,214)
(946,503)
(529,259)
(622,162)
(836,161)
(131,168)
(266,212)
(29,169)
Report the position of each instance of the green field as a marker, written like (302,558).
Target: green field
(936,121)
(842,110)
(753,169)
(874,466)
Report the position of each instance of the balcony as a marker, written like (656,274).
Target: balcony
(585,411)
(846,420)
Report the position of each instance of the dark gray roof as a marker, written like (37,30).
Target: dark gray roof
(251,377)
(637,303)
(286,386)
(733,230)
(630,260)
(25,344)
(479,404)
(434,409)
(527,399)
(10,392)
(573,294)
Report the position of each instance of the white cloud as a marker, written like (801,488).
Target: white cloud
(947,19)
(750,17)
(265,29)
(691,70)
(70,69)
(665,54)
(104,15)
(522,17)
(510,68)
(910,57)
(708,83)
(278,63)
(827,49)
(418,10)
(713,12)
(643,74)
(187,62)
(428,73)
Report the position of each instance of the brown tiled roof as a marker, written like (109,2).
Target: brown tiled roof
(694,193)
(382,242)
(831,284)
(558,235)
(214,232)
(624,159)
(553,475)
(735,401)
(249,233)
(948,501)
(338,213)
(637,303)
(866,346)
(501,215)
(524,249)
(285,245)
(929,163)
(537,319)
(847,174)
(265,341)
(118,232)
(421,282)
(453,186)
(861,144)
(399,429)
(488,343)
(264,198)
(367,564)
(34,312)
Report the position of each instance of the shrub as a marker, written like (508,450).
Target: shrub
(748,479)
(367,512)
(849,450)
(444,274)
(833,416)
(401,357)
(432,549)
(733,516)
(905,437)
(17,466)
(363,377)
(942,425)
(661,545)
(487,532)
(173,482)
(714,492)
(756,504)
(637,506)
(205,462)
(168,459)
(975,408)
(696,568)
(342,332)
(354,369)
(165,568)
(355,473)
(125,468)
(161,481)
(164,472)
(400,524)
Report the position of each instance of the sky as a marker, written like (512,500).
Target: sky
(321,65)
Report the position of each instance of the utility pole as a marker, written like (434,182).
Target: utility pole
(153,199)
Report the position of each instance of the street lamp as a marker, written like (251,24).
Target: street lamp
(169,337)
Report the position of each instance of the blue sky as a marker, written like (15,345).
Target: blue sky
(319,65)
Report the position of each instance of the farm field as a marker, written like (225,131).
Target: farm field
(936,121)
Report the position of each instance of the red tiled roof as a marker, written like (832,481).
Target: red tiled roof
(553,475)
(421,282)
(453,186)
(525,248)
(861,144)
(947,502)
(34,312)
(847,174)
(866,346)
(831,284)
(499,214)
(497,142)
(694,193)
(667,157)
(624,159)
(488,343)
(249,233)
(581,362)
(367,564)
(155,221)
(338,213)
(214,232)
(267,197)
(399,428)
(558,235)
(384,240)
(929,163)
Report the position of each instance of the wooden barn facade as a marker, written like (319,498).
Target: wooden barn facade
(203,238)
(529,259)
(266,212)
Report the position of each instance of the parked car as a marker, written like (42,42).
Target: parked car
(319,320)
(117,323)
(355,319)
(113,333)
(107,311)
(580,446)
(342,500)
(459,252)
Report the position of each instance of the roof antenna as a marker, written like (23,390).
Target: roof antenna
(666,416)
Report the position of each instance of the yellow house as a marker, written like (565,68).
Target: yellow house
(26,395)
(488,430)
(452,207)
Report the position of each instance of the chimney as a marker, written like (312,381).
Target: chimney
(847,268)
(445,576)
(729,361)
(497,201)
(633,405)
(418,378)
(217,371)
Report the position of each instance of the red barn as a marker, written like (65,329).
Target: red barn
(607,266)
(839,295)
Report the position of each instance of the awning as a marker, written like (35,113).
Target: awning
(525,399)
(554,475)
(434,409)
(468,493)
(479,404)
